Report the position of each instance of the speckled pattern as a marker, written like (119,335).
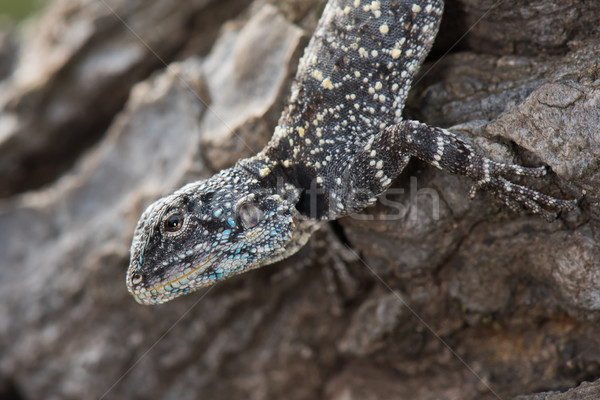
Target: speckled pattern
(339,144)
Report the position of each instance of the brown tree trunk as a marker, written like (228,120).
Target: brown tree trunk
(106,105)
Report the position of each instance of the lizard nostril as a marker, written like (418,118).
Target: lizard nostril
(136,278)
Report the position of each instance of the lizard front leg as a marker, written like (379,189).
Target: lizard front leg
(447,151)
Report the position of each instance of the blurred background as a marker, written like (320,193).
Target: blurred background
(17,10)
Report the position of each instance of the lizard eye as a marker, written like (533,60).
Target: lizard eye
(174,222)
(250,215)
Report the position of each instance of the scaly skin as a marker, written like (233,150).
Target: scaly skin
(339,144)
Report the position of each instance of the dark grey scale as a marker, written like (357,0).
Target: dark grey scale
(375,166)
(352,83)
(446,151)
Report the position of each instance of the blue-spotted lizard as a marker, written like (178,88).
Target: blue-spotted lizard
(339,144)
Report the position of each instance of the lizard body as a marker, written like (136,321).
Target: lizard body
(339,144)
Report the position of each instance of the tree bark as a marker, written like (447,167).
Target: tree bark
(107,105)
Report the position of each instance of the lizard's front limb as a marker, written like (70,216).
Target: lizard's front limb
(449,152)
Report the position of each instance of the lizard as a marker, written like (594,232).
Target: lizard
(339,143)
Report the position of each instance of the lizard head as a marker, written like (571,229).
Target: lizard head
(210,230)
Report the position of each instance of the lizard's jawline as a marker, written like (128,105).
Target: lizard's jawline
(167,290)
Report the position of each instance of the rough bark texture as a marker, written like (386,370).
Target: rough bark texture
(428,295)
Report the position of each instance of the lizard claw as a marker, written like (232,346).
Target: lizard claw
(518,197)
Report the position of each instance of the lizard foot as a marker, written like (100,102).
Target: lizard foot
(518,197)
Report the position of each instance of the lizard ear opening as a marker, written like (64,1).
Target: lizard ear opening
(250,215)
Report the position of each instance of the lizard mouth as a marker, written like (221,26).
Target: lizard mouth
(178,285)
